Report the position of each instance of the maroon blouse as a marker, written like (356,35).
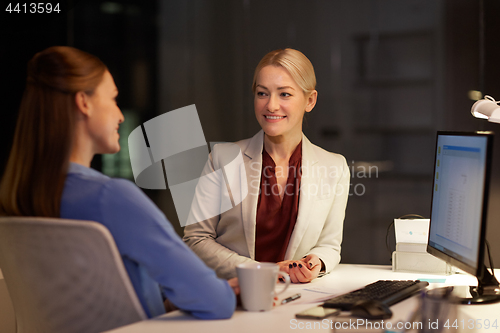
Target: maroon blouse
(275,218)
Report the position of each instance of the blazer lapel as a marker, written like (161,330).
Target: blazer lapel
(308,192)
(253,168)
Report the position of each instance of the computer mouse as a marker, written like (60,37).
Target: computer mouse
(371,309)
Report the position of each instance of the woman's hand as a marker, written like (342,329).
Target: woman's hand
(169,306)
(303,270)
(285,265)
(233,283)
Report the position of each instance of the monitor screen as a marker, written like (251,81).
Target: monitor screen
(459,199)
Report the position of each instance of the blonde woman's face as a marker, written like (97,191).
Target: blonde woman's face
(280,103)
(105,117)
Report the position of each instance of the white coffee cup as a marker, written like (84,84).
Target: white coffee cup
(257,284)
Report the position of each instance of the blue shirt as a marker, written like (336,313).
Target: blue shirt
(155,257)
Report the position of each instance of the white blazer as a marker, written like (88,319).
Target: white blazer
(228,239)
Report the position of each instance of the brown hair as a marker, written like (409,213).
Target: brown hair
(295,62)
(34,177)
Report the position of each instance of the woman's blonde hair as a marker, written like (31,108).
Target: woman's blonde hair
(296,64)
(33,181)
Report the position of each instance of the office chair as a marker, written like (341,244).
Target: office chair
(65,276)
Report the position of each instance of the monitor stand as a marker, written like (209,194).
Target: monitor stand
(487,291)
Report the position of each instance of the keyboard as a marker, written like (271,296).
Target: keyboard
(386,291)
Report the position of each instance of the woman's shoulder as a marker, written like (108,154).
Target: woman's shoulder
(228,146)
(250,146)
(227,152)
(88,182)
(89,194)
(122,197)
(126,192)
(324,156)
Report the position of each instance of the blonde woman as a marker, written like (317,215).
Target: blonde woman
(297,192)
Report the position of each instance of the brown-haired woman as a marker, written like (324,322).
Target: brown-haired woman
(68,114)
(297,192)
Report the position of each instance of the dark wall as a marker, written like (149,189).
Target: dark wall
(472,53)
(123,36)
(21,36)
(168,54)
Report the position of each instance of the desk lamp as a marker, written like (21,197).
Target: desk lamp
(487,108)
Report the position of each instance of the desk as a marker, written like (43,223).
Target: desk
(7,317)
(342,279)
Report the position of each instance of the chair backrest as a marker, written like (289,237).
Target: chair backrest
(65,276)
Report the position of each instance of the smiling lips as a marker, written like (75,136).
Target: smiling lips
(274,117)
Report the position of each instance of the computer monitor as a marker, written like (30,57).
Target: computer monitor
(460,190)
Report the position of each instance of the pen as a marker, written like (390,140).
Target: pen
(291,298)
